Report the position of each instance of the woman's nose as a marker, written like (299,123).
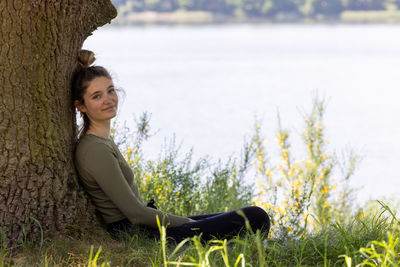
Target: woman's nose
(108,99)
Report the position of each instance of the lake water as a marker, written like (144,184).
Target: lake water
(206,84)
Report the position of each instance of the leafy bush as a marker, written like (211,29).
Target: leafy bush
(300,193)
(180,186)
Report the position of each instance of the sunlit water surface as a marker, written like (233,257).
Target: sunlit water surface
(207,84)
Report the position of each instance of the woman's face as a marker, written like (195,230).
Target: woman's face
(100,100)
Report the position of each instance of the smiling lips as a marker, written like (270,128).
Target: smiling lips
(109,108)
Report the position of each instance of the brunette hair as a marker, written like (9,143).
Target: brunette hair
(83,75)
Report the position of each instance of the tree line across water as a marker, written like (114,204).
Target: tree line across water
(268,9)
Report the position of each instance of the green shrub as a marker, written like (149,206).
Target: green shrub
(177,184)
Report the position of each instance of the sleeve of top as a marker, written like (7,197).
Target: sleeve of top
(103,166)
(136,192)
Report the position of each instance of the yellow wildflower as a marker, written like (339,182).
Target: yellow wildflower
(324,190)
(296,184)
(291,172)
(296,166)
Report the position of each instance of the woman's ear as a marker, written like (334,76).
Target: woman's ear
(79,106)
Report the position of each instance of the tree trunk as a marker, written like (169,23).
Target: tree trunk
(40,40)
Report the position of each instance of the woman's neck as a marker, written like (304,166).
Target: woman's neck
(102,130)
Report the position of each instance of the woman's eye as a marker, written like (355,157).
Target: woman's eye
(96,97)
(111,91)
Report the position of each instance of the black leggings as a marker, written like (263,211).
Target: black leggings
(219,225)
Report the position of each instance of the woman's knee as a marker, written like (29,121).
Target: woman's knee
(257,217)
(255,211)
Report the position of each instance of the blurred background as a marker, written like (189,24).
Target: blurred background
(207,69)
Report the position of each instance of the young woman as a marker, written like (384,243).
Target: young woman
(109,181)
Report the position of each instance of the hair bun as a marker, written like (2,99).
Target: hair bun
(86,58)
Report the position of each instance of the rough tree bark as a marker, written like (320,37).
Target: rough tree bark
(39,43)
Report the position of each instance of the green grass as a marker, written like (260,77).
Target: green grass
(373,240)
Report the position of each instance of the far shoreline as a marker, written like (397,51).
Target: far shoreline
(182,17)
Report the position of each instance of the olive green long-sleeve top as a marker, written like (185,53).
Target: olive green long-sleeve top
(108,179)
